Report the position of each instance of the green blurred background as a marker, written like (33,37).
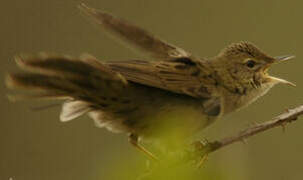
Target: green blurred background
(36,146)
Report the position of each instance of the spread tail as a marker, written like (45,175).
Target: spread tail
(85,83)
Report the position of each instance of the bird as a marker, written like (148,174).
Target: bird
(168,99)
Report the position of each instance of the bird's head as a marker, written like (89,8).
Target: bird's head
(249,65)
(242,69)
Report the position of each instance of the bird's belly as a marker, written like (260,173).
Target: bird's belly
(165,121)
(157,114)
(173,122)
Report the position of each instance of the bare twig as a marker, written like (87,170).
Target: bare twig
(282,120)
(200,149)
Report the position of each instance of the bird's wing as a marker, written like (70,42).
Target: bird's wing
(134,35)
(180,75)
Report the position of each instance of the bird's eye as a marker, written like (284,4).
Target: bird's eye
(250,63)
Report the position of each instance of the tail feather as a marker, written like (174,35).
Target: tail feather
(84,79)
(72,109)
(38,82)
(66,66)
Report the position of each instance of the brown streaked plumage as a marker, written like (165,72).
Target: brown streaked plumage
(170,98)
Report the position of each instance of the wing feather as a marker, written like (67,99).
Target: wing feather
(134,35)
(181,76)
(175,76)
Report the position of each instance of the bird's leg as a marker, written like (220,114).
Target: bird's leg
(202,160)
(201,145)
(133,139)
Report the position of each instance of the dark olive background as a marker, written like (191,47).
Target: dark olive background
(36,146)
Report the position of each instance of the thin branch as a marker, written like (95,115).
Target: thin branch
(201,149)
(282,120)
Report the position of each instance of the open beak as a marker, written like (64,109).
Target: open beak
(281,59)
(278,80)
